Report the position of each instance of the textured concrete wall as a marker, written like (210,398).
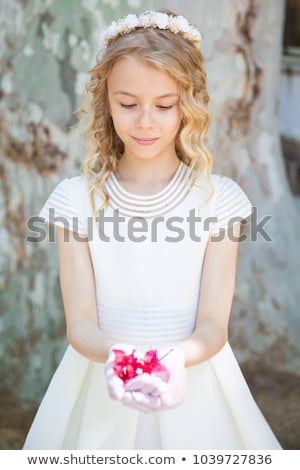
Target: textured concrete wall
(46,48)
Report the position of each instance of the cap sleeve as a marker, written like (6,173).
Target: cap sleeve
(231,204)
(65,206)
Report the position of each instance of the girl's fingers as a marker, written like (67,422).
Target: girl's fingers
(141,402)
(147,384)
(138,383)
(115,389)
(134,402)
(156,387)
(146,400)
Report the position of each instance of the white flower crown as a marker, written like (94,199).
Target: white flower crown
(151,19)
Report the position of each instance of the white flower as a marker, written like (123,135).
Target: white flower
(132,21)
(146,20)
(150,19)
(183,24)
(162,20)
(122,27)
(112,30)
(194,35)
(174,24)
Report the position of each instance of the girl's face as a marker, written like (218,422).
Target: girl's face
(144,105)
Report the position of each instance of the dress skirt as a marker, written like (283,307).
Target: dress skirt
(219,412)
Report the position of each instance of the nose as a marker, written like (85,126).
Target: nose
(144,119)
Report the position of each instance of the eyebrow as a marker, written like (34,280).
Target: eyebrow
(121,92)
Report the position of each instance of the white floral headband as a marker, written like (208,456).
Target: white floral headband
(151,19)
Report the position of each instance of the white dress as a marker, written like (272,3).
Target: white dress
(147,287)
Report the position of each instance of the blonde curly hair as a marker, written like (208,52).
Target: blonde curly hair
(184,62)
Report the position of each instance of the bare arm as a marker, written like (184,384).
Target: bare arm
(215,300)
(79,298)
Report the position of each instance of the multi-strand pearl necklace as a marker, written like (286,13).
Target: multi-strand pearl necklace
(136,205)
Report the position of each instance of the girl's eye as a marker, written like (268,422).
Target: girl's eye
(165,107)
(127,105)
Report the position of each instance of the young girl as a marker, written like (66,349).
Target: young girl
(148,242)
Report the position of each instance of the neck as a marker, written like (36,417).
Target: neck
(147,173)
(146,176)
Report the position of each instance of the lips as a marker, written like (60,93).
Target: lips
(147,141)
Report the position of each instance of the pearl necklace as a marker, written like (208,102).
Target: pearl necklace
(137,205)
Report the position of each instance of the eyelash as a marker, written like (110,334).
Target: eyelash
(131,106)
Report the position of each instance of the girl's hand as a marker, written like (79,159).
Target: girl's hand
(143,393)
(174,393)
(147,384)
(149,393)
(115,384)
(141,401)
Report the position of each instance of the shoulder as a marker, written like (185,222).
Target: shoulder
(230,202)
(223,183)
(225,187)
(222,187)
(73,189)
(75,183)
(67,204)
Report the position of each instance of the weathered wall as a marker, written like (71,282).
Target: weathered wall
(46,47)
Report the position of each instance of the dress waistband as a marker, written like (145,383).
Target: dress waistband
(150,325)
